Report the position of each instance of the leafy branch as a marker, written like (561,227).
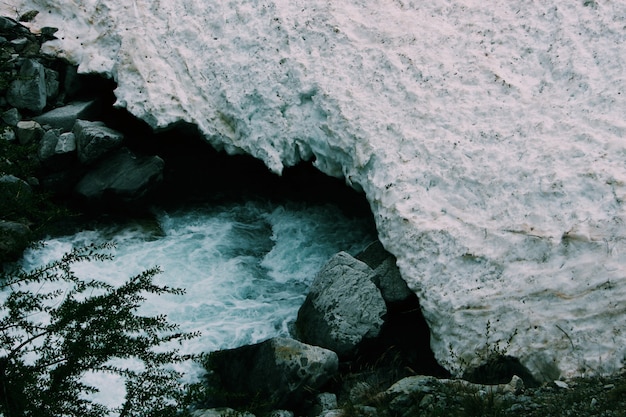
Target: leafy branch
(50,339)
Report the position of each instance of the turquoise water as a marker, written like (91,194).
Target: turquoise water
(245,267)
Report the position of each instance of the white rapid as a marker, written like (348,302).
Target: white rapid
(245,268)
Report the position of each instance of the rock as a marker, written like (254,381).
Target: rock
(7,23)
(121,178)
(56,150)
(11,117)
(47,33)
(414,384)
(561,384)
(402,393)
(48,144)
(52,84)
(221,412)
(388,278)
(28,91)
(322,403)
(14,238)
(343,307)
(28,16)
(65,117)
(279,372)
(7,134)
(66,143)
(19,44)
(333,413)
(28,131)
(280,413)
(15,194)
(94,140)
(515,386)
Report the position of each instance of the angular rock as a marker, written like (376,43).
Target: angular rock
(121,178)
(11,117)
(65,117)
(66,143)
(7,134)
(28,131)
(343,307)
(19,44)
(280,372)
(48,144)
(28,91)
(14,238)
(7,23)
(94,140)
(56,150)
(388,279)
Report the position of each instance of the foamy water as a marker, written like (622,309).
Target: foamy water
(245,268)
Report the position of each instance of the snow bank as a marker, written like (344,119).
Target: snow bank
(488,137)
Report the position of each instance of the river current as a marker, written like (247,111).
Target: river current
(245,267)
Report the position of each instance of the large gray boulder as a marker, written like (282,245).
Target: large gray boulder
(343,307)
(94,140)
(28,91)
(65,117)
(278,372)
(121,177)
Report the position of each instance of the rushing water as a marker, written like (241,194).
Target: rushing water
(245,267)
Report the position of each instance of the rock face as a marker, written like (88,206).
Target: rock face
(387,277)
(278,372)
(122,177)
(488,138)
(65,117)
(343,307)
(94,140)
(29,91)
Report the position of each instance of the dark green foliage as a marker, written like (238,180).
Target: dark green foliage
(50,338)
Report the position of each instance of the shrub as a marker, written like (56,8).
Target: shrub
(51,338)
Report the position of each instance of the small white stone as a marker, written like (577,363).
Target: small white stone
(561,384)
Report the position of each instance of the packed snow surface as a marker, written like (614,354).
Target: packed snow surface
(487,136)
